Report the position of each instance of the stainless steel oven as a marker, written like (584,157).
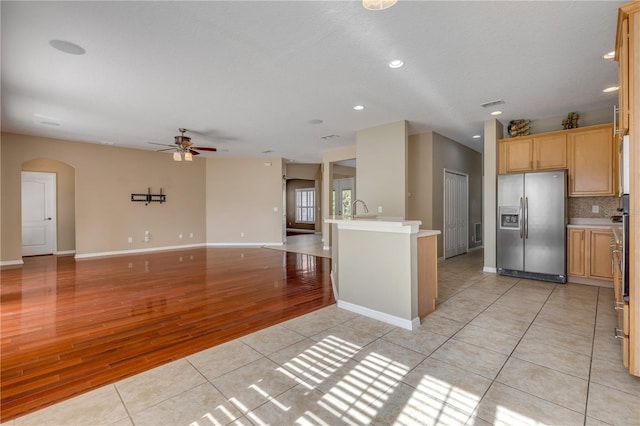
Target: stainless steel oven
(624,249)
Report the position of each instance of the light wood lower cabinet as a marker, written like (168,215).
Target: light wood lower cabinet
(620,305)
(588,253)
(427,275)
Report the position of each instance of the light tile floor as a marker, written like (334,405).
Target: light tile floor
(497,350)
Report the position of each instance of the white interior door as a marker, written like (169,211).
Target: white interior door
(456,213)
(38,213)
(342,197)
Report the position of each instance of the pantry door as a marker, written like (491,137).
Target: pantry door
(456,213)
(38,213)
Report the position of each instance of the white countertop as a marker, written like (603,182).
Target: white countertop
(586,222)
(376,223)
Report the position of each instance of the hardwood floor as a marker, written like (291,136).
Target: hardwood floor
(70,326)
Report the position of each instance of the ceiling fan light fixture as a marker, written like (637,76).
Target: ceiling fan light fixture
(188,156)
(177,156)
(378,4)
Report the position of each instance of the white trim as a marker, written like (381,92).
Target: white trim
(134,251)
(333,285)
(380,316)
(64,252)
(12,262)
(278,244)
(489,269)
(476,248)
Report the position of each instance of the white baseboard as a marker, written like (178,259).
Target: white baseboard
(12,262)
(64,252)
(135,251)
(489,269)
(380,316)
(475,248)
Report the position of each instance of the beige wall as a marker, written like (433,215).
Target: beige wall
(452,156)
(420,170)
(65,199)
(241,195)
(381,154)
(105,178)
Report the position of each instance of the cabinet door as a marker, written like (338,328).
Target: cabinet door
(576,252)
(600,252)
(550,152)
(623,77)
(591,168)
(519,155)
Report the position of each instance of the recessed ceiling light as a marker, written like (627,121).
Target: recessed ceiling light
(476,136)
(609,55)
(496,113)
(358,107)
(50,123)
(268,151)
(611,89)
(315,121)
(378,4)
(67,47)
(396,63)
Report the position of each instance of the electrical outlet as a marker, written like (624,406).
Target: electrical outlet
(379,209)
(191,235)
(242,235)
(130,240)
(180,236)
(595,208)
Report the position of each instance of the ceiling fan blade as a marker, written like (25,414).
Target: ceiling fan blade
(167,149)
(204,148)
(193,152)
(161,144)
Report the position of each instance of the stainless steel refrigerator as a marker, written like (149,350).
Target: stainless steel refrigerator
(532,220)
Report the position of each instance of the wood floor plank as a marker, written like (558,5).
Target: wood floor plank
(70,326)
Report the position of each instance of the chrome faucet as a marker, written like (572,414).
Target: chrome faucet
(353,207)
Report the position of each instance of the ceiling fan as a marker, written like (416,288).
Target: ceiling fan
(184,148)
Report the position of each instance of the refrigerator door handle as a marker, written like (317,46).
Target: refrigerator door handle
(520,219)
(526,217)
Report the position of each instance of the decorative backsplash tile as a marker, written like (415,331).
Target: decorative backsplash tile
(582,206)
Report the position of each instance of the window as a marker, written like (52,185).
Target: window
(305,205)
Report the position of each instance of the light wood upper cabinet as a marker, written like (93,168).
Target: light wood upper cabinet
(539,152)
(518,155)
(550,152)
(591,162)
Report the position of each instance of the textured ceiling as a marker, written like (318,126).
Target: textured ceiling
(247,77)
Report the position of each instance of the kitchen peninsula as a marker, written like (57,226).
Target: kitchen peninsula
(384,268)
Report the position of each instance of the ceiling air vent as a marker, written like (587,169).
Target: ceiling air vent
(329,137)
(492,103)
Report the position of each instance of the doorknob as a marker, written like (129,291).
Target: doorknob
(48,218)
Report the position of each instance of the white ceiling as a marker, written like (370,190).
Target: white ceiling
(249,76)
